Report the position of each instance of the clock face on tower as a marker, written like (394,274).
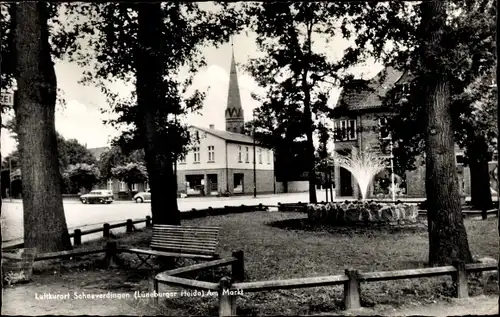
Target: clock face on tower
(234,113)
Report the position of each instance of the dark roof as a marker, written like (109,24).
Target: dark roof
(228,136)
(97,151)
(367,94)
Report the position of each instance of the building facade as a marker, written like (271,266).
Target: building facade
(360,122)
(221,163)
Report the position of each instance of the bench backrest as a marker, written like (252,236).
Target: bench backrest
(185,239)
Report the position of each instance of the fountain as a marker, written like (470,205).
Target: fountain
(363,165)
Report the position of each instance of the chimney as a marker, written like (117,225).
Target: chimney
(212,127)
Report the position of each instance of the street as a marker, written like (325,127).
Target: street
(83,216)
(80,216)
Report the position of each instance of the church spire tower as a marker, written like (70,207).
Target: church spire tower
(234,112)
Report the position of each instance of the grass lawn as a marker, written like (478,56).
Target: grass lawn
(280,246)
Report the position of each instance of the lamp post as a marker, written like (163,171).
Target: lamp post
(392,169)
(324,139)
(333,190)
(254,160)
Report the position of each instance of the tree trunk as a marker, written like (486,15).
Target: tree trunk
(44,220)
(479,174)
(1,196)
(152,104)
(309,143)
(447,235)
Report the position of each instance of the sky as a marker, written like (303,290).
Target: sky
(81,118)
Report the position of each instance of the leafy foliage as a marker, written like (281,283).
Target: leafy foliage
(110,33)
(391,33)
(83,175)
(290,69)
(279,126)
(132,173)
(115,157)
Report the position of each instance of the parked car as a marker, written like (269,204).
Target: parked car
(141,197)
(100,196)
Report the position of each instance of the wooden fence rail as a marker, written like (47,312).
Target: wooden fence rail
(171,277)
(351,279)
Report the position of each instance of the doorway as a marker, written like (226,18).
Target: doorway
(238,183)
(212,186)
(345,182)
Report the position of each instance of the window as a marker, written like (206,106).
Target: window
(146,186)
(134,187)
(239,153)
(211,153)
(123,187)
(345,130)
(196,154)
(247,155)
(110,185)
(268,156)
(351,127)
(260,156)
(383,129)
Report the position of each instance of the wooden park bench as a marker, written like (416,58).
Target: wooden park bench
(180,242)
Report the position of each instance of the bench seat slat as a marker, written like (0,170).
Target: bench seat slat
(187,233)
(187,246)
(163,244)
(186,227)
(192,244)
(167,254)
(186,230)
(185,240)
(181,234)
(181,248)
(186,236)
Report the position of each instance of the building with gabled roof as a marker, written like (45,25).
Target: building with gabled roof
(360,121)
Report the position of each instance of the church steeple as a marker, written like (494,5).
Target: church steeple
(234,112)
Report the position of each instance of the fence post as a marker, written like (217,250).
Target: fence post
(238,267)
(484,213)
(227,303)
(352,290)
(155,291)
(460,280)
(130,226)
(261,207)
(110,253)
(148,221)
(77,237)
(279,206)
(105,230)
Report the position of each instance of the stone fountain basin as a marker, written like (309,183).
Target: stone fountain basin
(366,212)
